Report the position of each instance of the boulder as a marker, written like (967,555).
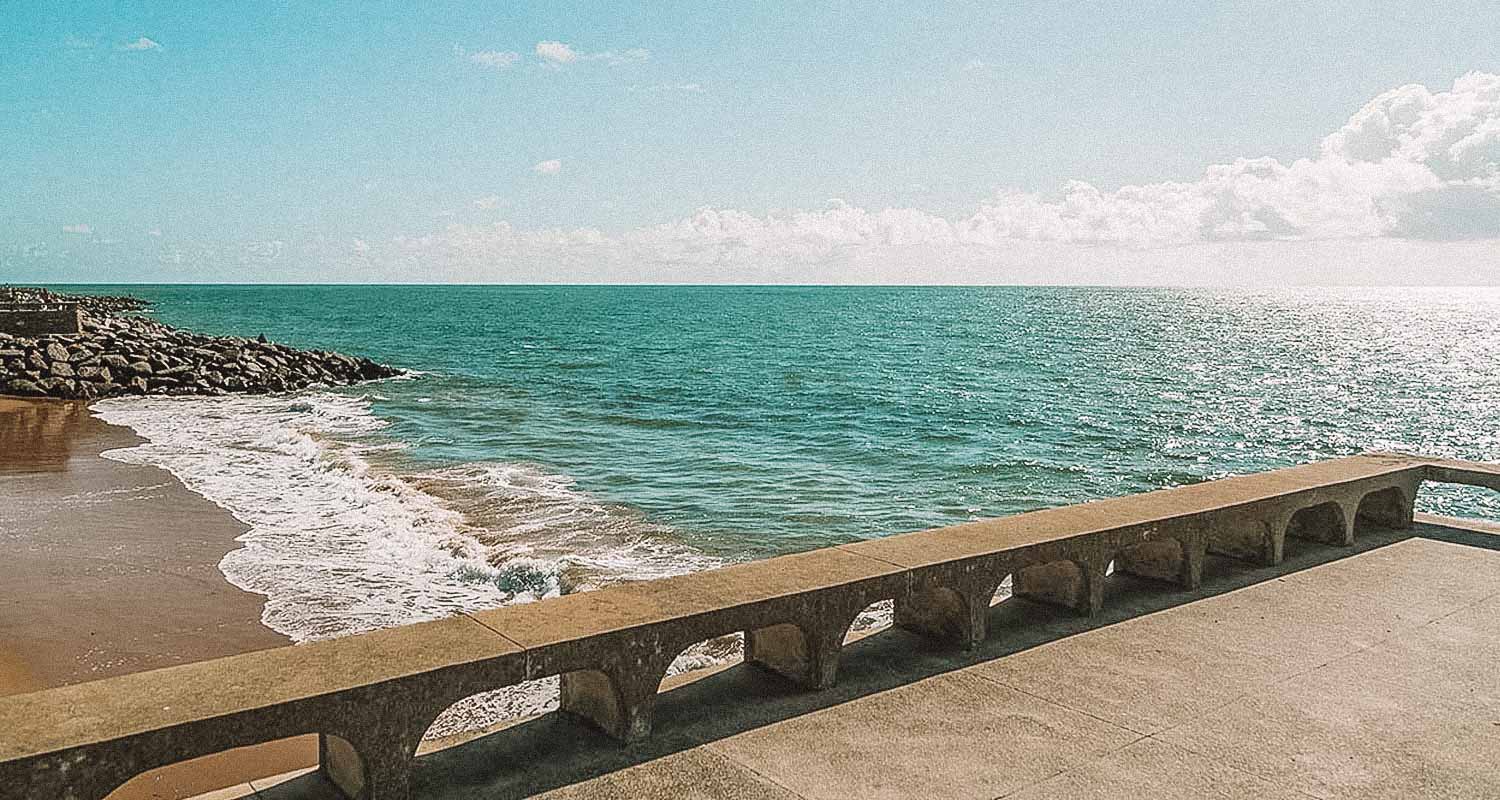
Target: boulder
(23,388)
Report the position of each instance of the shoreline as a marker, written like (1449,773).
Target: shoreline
(113,568)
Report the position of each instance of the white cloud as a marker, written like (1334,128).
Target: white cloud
(975,65)
(1413,175)
(81,229)
(73,42)
(555,53)
(1406,192)
(142,43)
(1411,163)
(156,232)
(488,203)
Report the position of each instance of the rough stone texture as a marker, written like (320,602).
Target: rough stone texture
(1302,682)
(111,354)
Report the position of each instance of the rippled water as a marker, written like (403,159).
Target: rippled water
(565,436)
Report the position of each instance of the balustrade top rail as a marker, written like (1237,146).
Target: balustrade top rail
(372,696)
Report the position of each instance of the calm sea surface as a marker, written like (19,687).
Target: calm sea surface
(562,437)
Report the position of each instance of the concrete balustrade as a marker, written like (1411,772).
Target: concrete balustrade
(371,697)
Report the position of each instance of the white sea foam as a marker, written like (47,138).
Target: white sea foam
(338,546)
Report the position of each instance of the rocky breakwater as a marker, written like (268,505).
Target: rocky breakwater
(131,355)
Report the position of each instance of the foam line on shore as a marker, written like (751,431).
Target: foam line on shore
(338,544)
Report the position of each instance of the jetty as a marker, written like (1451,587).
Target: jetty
(1293,633)
(92,346)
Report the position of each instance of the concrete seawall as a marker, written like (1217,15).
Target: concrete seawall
(371,697)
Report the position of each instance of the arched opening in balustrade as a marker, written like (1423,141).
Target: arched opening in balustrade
(1145,569)
(1241,534)
(1384,508)
(1061,583)
(701,659)
(1004,612)
(938,613)
(872,619)
(1458,500)
(291,764)
(1323,523)
(489,738)
(481,714)
(1161,560)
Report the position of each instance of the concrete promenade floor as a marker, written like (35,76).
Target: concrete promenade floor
(1364,672)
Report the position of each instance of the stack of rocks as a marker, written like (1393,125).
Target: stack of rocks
(132,355)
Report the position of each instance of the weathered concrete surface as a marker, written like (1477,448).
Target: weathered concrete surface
(1336,675)
(1017,703)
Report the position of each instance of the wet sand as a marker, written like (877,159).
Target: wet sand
(111,568)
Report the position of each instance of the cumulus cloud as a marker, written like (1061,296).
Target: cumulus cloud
(74,42)
(1407,191)
(488,203)
(142,43)
(81,229)
(555,53)
(1412,165)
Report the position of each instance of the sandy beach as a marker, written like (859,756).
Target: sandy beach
(111,568)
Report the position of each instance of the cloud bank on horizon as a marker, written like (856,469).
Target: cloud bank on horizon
(1412,166)
(1407,190)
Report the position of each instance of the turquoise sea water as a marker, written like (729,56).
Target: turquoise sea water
(585,434)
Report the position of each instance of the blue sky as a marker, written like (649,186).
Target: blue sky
(746,142)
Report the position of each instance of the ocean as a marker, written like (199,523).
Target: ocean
(554,439)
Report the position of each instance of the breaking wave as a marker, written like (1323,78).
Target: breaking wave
(342,540)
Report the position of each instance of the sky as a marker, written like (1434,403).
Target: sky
(1150,142)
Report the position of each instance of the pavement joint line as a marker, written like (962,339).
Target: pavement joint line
(1380,675)
(1267,778)
(712,747)
(1282,679)
(1050,701)
(1106,754)
(1013,792)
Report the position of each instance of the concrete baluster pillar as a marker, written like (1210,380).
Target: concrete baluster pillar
(370,761)
(619,702)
